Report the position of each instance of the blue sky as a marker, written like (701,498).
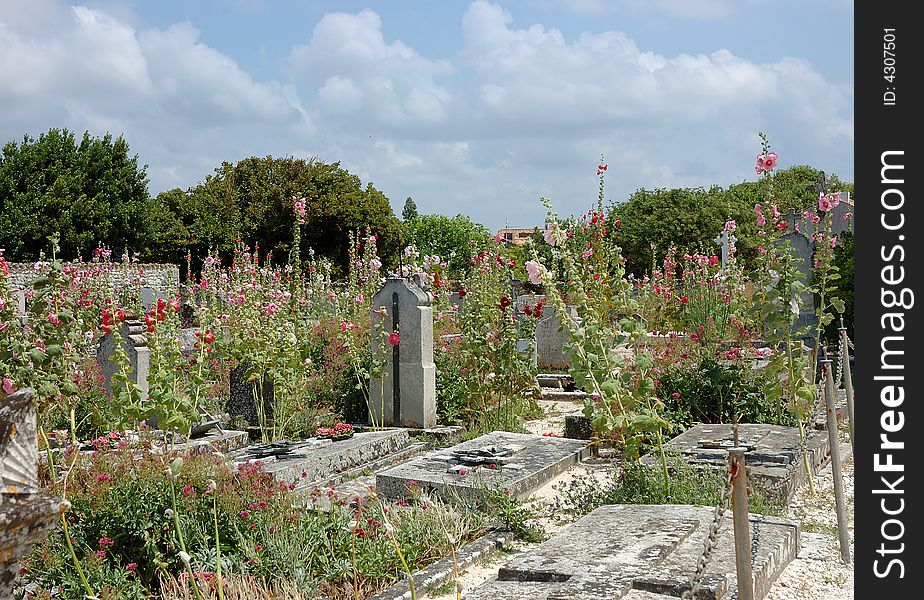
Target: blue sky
(470,107)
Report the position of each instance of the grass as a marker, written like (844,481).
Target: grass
(641,484)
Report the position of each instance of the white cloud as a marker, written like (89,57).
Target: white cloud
(517,112)
(353,69)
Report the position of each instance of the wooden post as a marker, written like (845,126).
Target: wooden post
(742,524)
(848,381)
(836,463)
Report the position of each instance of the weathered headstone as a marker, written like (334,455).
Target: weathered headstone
(551,338)
(803,249)
(404,393)
(19,295)
(26,515)
(642,552)
(244,398)
(135,343)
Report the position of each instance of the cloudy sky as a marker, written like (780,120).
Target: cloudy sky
(469,107)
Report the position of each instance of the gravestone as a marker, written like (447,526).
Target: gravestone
(774,455)
(244,401)
(404,393)
(26,514)
(515,462)
(803,248)
(19,295)
(135,343)
(551,338)
(314,461)
(642,552)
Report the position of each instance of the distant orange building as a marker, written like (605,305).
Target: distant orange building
(515,236)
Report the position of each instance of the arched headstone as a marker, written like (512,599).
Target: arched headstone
(404,393)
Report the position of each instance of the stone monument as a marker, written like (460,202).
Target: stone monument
(26,515)
(404,393)
(135,343)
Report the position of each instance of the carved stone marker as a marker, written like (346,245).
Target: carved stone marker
(404,394)
(551,338)
(26,515)
(135,344)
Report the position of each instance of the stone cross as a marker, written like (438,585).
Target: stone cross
(26,514)
(404,394)
(727,240)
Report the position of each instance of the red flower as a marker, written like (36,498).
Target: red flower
(505,302)
(684,299)
(393,338)
(462,293)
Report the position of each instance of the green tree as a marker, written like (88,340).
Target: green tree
(652,221)
(251,201)
(410,210)
(454,239)
(90,192)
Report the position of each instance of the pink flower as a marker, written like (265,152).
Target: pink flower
(731,226)
(761,221)
(824,203)
(601,168)
(675,395)
(833,241)
(8,386)
(53,319)
(393,338)
(587,253)
(347,326)
(761,165)
(463,471)
(131,566)
(534,269)
(245,514)
(770,161)
(270,309)
(550,233)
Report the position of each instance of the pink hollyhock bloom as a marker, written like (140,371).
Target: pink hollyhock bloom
(8,386)
(393,338)
(824,204)
(770,161)
(270,309)
(359,299)
(551,229)
(53,319)
(587,253)
(347,326)
(761,165)
(375,264)
(833,241)
(761,221)
(776,212)
(731,226)
(534,269)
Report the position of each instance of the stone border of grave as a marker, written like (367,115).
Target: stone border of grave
(441,571)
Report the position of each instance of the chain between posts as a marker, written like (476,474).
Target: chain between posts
(712,538)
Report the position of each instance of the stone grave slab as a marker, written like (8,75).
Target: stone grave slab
(216,440)
(499,460)
(642,552)
(317,459)
(774,453)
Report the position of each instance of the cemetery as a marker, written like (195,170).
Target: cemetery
(261,428)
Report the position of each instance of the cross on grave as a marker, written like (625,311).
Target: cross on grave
(726,239)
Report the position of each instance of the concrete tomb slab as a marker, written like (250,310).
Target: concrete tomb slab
(499,460)
(318,459)
(642,552)
(774,456)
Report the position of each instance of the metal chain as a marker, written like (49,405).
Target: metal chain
(840,372)
(711,539)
